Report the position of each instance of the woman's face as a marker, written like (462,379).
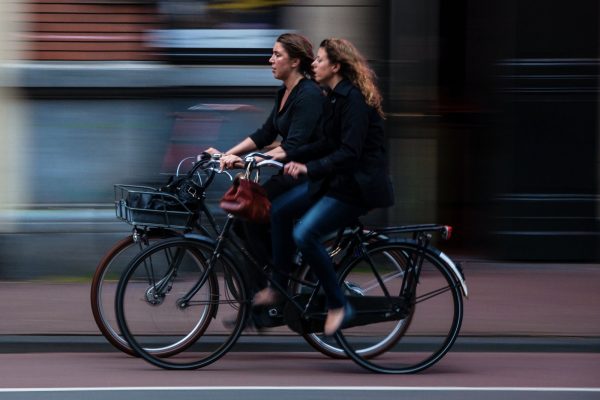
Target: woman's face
(324,70)
(281,63)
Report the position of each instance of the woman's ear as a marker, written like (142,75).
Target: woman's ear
(295,62)
(335,68)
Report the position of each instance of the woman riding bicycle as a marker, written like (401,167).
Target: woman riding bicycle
(294,117)
(347,174)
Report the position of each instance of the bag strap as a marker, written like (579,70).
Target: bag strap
(247,174)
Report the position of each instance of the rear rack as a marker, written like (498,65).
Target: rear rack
(444,230)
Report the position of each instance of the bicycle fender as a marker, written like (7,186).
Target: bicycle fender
(457,273)
(200,238)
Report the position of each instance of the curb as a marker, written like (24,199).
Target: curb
(12,344)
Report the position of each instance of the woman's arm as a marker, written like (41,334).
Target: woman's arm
(243,147)
(231,159)
(262,137)
(267,134)
(310,151)
(278,153)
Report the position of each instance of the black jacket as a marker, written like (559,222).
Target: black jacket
(297,121)
(348,161)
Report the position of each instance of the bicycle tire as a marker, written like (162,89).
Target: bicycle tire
(160,277)
(105,279)
(434,314)
(328,346)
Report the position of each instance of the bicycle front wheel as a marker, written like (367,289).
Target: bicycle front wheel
(178,297)
(429,321)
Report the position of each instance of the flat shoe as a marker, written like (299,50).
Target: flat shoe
(340,318)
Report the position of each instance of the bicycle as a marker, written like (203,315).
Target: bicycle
(178,282)
(152,225)
(149,225)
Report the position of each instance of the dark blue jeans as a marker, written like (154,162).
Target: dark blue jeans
(317,218)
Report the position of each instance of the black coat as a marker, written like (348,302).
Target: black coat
(297,121)
(349,161)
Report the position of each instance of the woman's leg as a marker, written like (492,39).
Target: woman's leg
(285,209)
(256,236)
(325,216)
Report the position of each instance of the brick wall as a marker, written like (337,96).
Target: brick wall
(87,30)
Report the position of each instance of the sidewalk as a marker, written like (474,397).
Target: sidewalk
(514,306)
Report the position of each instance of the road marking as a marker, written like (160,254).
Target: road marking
(332,388)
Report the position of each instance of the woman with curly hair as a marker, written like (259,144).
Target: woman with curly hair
(347,174)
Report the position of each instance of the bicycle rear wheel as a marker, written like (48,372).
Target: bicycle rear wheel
(106,277)
(175,296)
(373,345)
(431,319)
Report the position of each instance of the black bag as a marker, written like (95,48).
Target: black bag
(184,188)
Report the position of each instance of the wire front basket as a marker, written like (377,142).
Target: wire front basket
(147,206)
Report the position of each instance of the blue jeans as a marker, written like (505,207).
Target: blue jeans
(318,217)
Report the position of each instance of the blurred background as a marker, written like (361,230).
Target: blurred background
(492,114)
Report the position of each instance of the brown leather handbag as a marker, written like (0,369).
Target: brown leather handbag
(248,200)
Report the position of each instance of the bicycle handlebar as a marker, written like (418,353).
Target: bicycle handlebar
(251,156)
(211,162)
(270,163)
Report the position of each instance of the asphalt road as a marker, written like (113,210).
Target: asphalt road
(299,375)
(529,332)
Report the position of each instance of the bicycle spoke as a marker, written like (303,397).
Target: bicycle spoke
(433,293)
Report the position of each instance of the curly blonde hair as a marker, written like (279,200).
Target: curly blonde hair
(354,67)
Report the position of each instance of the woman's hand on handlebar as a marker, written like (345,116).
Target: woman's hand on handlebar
(295,169)
(229,161)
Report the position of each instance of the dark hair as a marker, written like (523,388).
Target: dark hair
(298,46)
(354,67)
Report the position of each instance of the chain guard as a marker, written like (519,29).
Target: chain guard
(268,316)
(369,310)
(312,321)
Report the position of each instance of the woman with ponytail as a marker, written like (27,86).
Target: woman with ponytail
(346,169)
(293,119)
(297,108)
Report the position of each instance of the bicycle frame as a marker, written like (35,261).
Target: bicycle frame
(351,244)
(220,247)
(357,241)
